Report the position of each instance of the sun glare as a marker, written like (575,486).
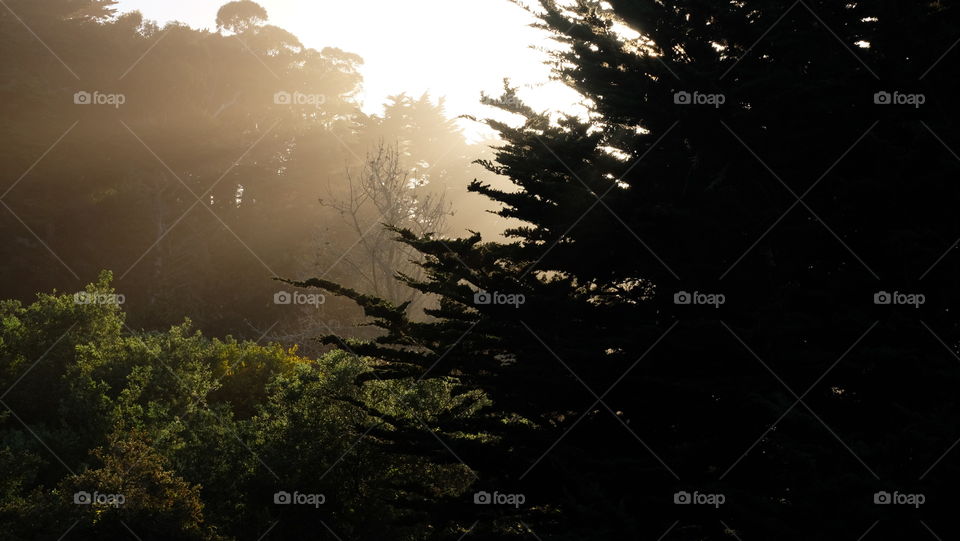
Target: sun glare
(454,50)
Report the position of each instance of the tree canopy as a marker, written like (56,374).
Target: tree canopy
(240,16)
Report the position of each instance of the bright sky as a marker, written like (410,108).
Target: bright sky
(453,48)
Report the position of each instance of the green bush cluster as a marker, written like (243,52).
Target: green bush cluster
(198,434)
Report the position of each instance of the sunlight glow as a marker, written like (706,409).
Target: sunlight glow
(449,49)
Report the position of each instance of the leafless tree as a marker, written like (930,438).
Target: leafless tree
(383,193)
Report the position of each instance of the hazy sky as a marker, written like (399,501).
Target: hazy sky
(453,48)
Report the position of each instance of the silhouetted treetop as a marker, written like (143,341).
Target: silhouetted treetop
(240,16)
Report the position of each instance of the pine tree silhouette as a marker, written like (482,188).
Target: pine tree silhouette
(721,270)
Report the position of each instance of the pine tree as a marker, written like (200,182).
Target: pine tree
(703,269)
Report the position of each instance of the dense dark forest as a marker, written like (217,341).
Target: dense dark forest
(714,307)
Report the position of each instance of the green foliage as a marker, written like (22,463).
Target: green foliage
(198,435)
(156,502)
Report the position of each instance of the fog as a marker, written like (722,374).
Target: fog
(184,153)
